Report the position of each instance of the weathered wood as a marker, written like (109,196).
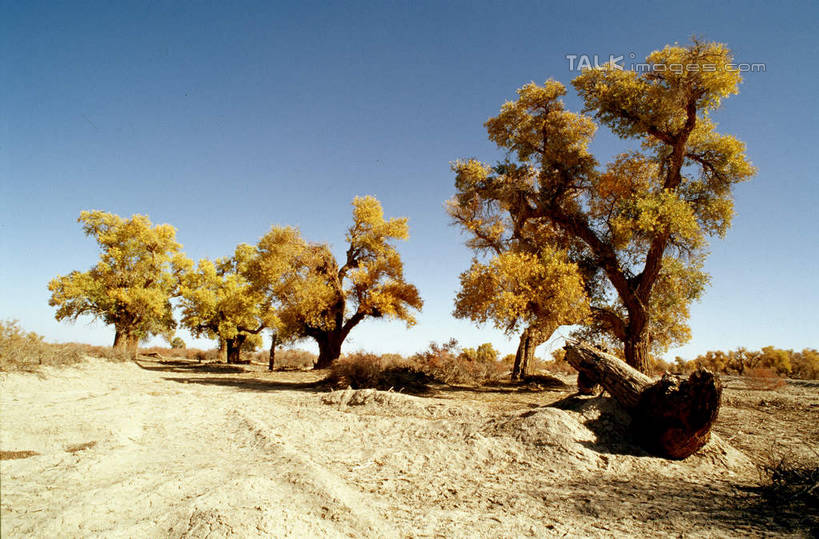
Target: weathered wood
(623,382)
(670,417)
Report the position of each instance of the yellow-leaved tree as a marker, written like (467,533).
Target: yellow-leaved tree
(220,301)
(319,298)
(132,284)
(637,228)
(522,290)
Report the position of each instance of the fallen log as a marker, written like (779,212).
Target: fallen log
(671,417)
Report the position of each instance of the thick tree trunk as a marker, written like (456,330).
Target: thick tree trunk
(119,340)
(125,342)
(636,342)
(670,417)
(223,350)
(329,349)
(274,340)
(234,348)
(132,345)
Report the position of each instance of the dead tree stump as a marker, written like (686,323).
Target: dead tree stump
(670,417)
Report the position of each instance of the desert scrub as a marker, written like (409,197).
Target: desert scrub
(287,359)
(763,379)
(362,370)
(22,350)
(445,363)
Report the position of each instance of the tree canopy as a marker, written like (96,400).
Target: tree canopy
(132,284)
(221,302)
(319,298)
(636,228)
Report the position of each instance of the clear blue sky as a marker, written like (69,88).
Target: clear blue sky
(225,118)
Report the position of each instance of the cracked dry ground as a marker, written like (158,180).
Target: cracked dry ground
(158,449)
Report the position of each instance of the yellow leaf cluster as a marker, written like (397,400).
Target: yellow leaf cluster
(134,280)
(519,289)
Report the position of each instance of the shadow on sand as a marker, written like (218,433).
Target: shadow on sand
(252,381)
(254,384)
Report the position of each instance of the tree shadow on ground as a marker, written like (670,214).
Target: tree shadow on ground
(534,384)
(181,365)
(254,384)
(665,505)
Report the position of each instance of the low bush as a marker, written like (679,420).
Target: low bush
(763,379)
(362,370)
(791,483)
(444,363)
(22,350)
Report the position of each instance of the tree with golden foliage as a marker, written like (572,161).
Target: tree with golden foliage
(132,284)
(521,290)
(319,298)
(523,251)
(638,227)
(221,302)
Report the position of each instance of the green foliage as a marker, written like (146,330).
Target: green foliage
(178,344)
(220,300)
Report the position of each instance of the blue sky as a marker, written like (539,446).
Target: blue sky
(225,118)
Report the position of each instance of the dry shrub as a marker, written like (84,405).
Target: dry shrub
(27,351)
(763,379)
(791,483)
(443,363)
(292,359)
(362,370)
(287,359)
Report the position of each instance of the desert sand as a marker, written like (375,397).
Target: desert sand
(177,450)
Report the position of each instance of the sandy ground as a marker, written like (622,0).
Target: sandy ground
(158,450)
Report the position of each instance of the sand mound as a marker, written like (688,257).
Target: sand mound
(588,433)
(578,434)
(391,403)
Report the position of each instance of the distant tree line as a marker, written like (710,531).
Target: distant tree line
(284,284)
(802,365)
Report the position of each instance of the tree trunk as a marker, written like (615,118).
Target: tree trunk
(234,348)
(670,417)
(329,349)
(223,350)
(119,340)
(132,345)
(274,339)
(519,355)
(126,342)
(526,356)
(636,343)
(532,342)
